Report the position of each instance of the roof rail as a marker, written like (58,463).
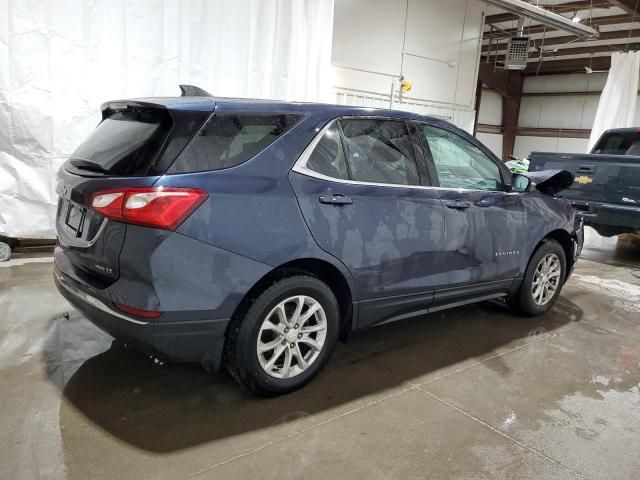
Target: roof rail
(193,91)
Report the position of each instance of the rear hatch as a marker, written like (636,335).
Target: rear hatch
(602,178)
(131,147)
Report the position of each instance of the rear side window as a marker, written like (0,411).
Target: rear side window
(229,139)
(327,157)
(618,144)
(380,151)
(124,143)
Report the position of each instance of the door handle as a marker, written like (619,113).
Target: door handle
(336,199)
(586,169)
(458,205)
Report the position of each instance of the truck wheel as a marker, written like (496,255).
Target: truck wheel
(285,338)
(5,252)
(542,281)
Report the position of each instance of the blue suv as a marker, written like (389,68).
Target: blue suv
(253,234)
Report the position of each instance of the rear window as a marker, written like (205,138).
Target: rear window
(227,140)
(618,144)
(124,143)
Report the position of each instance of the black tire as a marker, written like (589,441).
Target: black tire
(240,355)
(522,302)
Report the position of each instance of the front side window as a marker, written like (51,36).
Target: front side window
(380,151)
(459,163)
(229,139)
(327,157)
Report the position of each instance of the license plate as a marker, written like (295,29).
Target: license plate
(75,219)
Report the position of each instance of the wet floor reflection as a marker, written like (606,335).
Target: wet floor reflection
(622,250)
(565,384)
(173,407)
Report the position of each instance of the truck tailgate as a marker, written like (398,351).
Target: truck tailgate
(598,178)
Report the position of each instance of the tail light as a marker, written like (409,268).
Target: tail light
(155,207)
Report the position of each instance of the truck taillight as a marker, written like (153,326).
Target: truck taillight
(156,207)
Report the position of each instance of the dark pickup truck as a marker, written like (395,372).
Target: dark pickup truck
(606,190)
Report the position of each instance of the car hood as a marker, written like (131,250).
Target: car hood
(551,181)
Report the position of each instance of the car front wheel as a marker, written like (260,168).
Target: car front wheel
(543,280)
(285,338)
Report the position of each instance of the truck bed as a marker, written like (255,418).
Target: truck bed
(606,189)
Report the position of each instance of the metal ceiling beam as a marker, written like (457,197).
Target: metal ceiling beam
(566,52)
(533,29)
(572,65)
(547,42)
(632,7)
(561,8)
(523,9)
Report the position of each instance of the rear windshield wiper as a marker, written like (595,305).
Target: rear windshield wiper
(90,166)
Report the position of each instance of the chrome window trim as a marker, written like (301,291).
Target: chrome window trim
(93,301)
(301,167)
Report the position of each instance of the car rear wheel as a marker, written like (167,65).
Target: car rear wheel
(543,280)
(285,337)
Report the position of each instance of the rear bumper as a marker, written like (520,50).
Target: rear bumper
(182,340)
(578,243)
(610,215)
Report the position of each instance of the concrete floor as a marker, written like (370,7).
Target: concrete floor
(470,393)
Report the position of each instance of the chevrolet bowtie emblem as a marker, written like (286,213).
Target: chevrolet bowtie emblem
(584,180)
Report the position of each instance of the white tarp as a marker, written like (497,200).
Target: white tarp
(617,105)
(60,59)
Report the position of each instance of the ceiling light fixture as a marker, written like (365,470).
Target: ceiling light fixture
(550,19)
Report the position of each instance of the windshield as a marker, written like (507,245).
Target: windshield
(125,143)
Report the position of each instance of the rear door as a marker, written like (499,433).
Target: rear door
(367,201)
(484,223)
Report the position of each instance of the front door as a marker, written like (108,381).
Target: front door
(367,202)
(484,223)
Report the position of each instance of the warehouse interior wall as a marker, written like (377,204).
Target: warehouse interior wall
(491,114)
(435,44)
(60,60)
(556,114)
(572,107)
(561,102)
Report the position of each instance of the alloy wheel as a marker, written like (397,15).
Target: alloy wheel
(546,279)
(291,336)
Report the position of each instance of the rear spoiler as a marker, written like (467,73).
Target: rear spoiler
(160,102)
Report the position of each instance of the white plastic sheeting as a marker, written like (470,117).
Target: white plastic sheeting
(60,59)
(617,105)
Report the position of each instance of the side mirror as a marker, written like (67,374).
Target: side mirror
(520,183)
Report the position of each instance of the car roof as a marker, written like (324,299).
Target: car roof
(623,130)
(228,103)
